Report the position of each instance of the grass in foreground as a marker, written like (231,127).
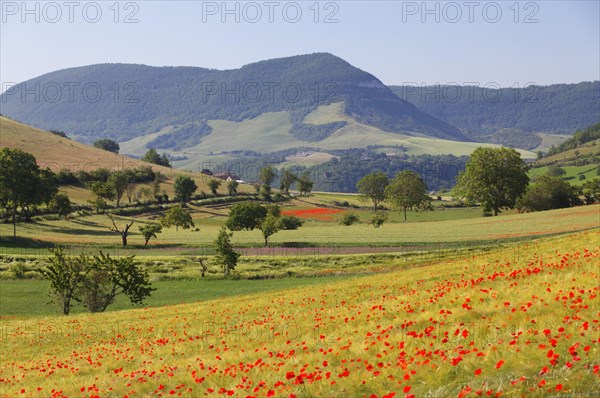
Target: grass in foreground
(499,325)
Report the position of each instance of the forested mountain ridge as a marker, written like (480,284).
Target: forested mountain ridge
(509,115)
(124,101)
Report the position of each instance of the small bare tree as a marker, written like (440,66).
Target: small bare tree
(123,232)
(203,265)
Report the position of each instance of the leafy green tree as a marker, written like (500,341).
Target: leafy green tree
(548,193)
(349,219)
(247,215)
(61,204)
(213,185)
(102,192)
(270,225)
(150,231)
(184,188)
(305,184)
(372,186)
(153,157)
(124,232)
(407,191)
(494,177)
(109,277)
(226,256)
(267,176)
(119,181)
(591,190)
(21,182)
(178,217)
(555,171)
(232,187)
(288,178)
(65,274)
(378,218)
(107,145)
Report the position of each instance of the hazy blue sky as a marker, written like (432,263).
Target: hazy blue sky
(506,42)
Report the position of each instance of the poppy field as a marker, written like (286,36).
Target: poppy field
(503,324)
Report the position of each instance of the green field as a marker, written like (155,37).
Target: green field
(450,227)
(572,173)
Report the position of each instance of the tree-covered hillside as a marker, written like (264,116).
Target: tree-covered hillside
(123,101)
(509,115)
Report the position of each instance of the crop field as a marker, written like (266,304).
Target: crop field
(486,325)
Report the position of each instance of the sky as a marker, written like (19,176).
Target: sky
(503,43)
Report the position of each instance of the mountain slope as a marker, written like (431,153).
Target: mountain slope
(123,101)
(509,116)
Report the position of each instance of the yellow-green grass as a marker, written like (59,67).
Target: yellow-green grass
(488,325)
(94,230)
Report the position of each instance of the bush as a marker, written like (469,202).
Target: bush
(378,218)
(291,222)
(349,219)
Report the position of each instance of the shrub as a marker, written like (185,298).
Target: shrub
(349,219)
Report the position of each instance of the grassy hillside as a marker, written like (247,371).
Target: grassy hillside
(497,324)
(270,132)
(60,153)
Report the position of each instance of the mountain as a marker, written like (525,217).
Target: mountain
(510,116)
(124,101)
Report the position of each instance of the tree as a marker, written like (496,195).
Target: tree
(305,184)
(107,145)
(47,188)
(232,187)
(19,180)
(119,181)
(548,193)
(378,218)
(109,277)
(372,186)
(288,178)
(153,157)
(270,225)
(267,176)
(225,255)
(184,188)
(213,185)
(150,231)
(493,177)
(124,232)
(178,217)
(591,190)
(555,171)
(349,219)
(246,216)
(407,191)
(65,275)
(102,192)
(61,204)
(203,265)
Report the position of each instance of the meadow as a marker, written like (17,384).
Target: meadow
(491,324)
(462,225)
